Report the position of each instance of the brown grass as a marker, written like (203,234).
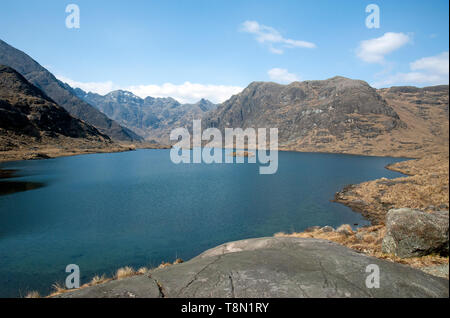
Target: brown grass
(98,280)
(33,294)
(426,188)
(121,273)
(368,240)
(59,288)
(142,271)
(125,272)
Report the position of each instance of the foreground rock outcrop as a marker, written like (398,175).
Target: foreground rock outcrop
(412,233)
(273,267)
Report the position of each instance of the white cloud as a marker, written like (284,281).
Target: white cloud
(374,50)
(187,92)
(184,93)
(431,70)
(101,88)
(409,78)
(268,35)
(282,75)
(434,64)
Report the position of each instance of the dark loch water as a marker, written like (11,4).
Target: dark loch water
(106,211)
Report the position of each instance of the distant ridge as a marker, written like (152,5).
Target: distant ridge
(150,117)
(62,93)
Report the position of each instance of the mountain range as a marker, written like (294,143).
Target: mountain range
(61,93)
(152,118)
(338,115)
(342,115)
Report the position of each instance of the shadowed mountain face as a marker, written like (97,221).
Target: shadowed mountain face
(152,118)
(334,115)
(27,114)
(61,93)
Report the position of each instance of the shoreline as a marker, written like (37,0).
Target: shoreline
(353,205)
(374,198)
(424,187)
(367,239)
(358,206)
(42,154)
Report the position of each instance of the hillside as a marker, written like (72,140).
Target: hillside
(61,93)
(152,118)
(343,116)
(32,125)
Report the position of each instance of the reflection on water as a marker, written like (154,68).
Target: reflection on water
(9,173)
(9,187)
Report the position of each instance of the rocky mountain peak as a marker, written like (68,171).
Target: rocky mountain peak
(309,111)
(205,105)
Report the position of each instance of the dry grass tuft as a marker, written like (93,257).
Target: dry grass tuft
(124,272)
(164,265)
(142,271)
(59,288)
(33,294)
(97,280)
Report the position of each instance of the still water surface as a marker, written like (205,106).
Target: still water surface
(105,211)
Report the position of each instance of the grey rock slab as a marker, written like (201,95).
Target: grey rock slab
(278,267)
(291,267)
(437,270)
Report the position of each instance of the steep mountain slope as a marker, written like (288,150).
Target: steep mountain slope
(30,118)
(152,118)
(61,93)
(425,110)
(334,115)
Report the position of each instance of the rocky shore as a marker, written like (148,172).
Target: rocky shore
(425,187)
(409,216)
(271,268)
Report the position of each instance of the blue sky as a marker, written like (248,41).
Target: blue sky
(190,49)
